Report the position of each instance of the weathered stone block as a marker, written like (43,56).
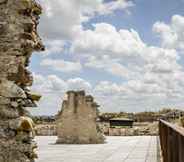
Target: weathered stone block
(76,123)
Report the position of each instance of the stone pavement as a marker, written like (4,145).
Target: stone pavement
(116,149)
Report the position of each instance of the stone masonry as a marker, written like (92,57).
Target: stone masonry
(18,39)
(76,122)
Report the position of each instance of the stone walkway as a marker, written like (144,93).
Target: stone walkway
(116,149)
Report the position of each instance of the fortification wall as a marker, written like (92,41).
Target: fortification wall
(18,39)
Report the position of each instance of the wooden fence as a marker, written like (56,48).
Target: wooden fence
(172,142)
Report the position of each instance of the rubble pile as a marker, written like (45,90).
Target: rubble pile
(76,122)
(18,39)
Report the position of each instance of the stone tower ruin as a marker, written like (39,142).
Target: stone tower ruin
(18,39)
(76,122)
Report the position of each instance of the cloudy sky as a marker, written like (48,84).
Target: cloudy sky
(128,54)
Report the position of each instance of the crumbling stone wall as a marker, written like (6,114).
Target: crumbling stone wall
(76,123)
(18,39)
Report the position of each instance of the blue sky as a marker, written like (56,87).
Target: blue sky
(128,54)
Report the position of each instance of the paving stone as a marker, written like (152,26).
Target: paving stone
(116,149)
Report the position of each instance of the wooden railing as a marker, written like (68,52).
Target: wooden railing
(172,142)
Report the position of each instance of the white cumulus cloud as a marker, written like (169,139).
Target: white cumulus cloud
(61,65)
(60,17)
(172,35)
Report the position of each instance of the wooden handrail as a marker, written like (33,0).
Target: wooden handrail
(175,127)
(172,142)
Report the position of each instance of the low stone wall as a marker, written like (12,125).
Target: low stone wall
(121,132)
(46,130)
(150,129)
(137,131)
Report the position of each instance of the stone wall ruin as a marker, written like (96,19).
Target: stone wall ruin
(18,39)
(76,122)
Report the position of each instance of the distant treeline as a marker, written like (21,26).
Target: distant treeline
(146,116)
(43,119)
